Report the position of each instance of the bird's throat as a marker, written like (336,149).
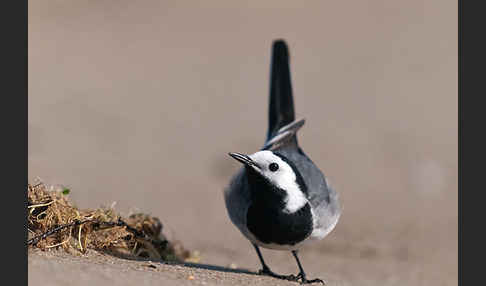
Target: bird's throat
(272,197)
(268,217)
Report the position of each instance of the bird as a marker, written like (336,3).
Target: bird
(279,199)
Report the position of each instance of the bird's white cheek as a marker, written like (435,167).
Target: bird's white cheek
(295,201)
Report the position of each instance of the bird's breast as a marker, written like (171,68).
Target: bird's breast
(273,225)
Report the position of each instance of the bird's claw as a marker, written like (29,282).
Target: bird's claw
(304,280)
(268,272)
(299,278)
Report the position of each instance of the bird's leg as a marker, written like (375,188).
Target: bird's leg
(302,275)
(266,270)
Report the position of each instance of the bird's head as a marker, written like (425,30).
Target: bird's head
(278,171)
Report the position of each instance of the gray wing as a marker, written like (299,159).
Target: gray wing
(322,197)
(320,194)
(237,199)
(317,188)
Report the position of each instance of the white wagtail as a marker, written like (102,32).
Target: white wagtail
(280,199)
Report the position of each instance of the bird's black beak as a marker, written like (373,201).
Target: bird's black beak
(244,159)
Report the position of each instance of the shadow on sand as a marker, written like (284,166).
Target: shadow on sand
(184,264)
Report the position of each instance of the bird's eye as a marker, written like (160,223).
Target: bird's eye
(273,167)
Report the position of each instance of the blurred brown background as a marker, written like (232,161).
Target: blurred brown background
(139,102)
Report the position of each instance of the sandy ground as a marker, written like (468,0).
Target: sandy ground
(138,103)
(95,268)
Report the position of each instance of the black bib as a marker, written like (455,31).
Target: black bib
(274,226)
(266,219)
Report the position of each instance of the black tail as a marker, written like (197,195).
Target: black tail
(281,108)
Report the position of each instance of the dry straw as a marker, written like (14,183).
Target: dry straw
(53,222)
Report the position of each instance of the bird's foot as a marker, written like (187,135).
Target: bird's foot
(303,279)
(268,272)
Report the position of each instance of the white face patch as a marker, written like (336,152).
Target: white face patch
(284,178)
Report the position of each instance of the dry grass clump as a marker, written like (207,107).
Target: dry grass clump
(53,222)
